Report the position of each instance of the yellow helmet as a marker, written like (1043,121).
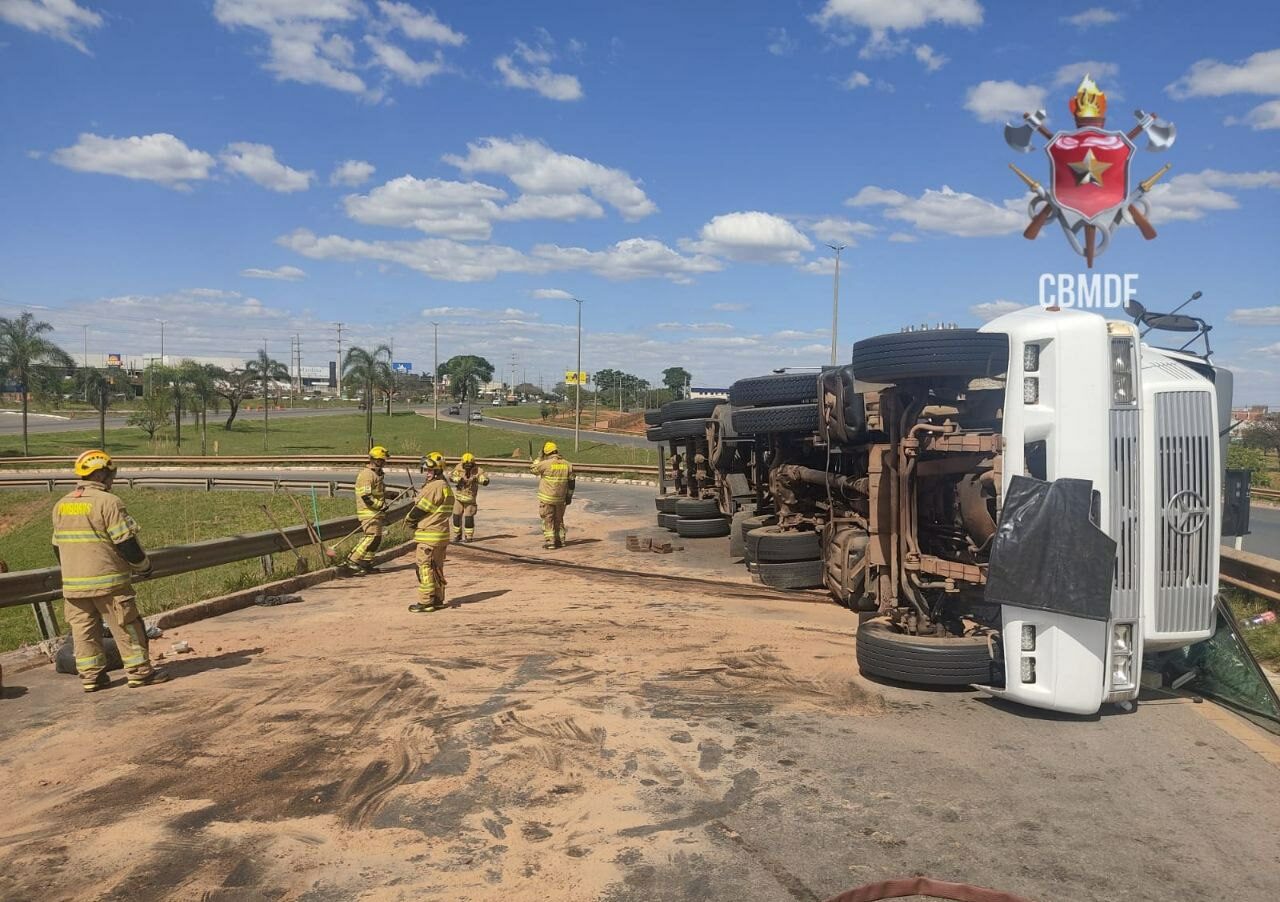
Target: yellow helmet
(93,461)
(377,452)
(435,461)
(468,458)
(549,448)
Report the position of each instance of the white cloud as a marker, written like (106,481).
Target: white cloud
(63,20)
(434,206)
(899,15)
(551,294)
(1193,194)
(781,43)
(1261,118)
(1259,74)
(1256,316)
(930,58)
(400,64)
(856,80)
(419,25)
(552,206)
(946,211)
(996,101)
(903,238)
(258,163)
(280,273)
(509,314)
(1095,15)
(351,173)
(838,230)
(823,266)
(989,310)
(725,307)
(694,327)
(751,236)
(537,169)
(633,258)
(155,158)
(529,68)
(1071,74)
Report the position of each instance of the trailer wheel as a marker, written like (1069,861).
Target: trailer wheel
(65,660)
(770,545)
(697,508)
(653,417)
(656,434)
(712,528)
(791,575)
(751,523)
(685,428)
(689,409)
(771,420)
(668,521)
(885,652)
(946,352)
(784,388)
(666,504)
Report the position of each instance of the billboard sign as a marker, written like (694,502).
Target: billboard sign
(309,372)
(572,378)
(115,360)
(403,367)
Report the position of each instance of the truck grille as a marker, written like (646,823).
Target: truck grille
(1185,440)
(1126,498)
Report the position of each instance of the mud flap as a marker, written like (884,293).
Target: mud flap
(1051,571)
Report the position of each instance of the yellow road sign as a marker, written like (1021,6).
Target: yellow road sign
(572,378)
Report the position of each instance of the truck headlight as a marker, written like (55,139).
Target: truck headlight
(1030,358)
(1030,390)
(1122,671)
(1122,371)
(1122,639)
(1028,670)
(1028,637)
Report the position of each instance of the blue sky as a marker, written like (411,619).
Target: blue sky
(681,166)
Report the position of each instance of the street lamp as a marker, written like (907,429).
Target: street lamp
(577,382)
(835,301)
(435,376)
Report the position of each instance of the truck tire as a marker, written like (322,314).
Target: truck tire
(653,417)
(685,428)
(689,409)
(754,522)
(65,660)
(782,388)
(946,352)
(772,420)
(770,546)
(885,652)
(792,575)
(712,528)
(737,542)
(720,451)
(666,504)
(668,521)
(656,434)
(697,508)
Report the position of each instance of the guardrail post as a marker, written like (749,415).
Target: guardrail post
(50,485)
(333,489)
(208,484)
(46,619)
(268,565)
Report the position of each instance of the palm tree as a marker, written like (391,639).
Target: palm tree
(268,370)
(202,381)
(369,369)
(23,352)
(96,386)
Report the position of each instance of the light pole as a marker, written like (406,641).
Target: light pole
(435,375)
(84,363)
(577,382)
(162,322)
(835,301)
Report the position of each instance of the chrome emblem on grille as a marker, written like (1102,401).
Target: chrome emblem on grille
(1186,513)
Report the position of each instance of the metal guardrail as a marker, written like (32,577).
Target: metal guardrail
(1264,494)
(35,586)
(266,483)
(1251,572)
(333,460)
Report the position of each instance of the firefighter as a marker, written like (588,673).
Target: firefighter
(371,510)
(429,518)
(467,477)
(555,493)
(96,543)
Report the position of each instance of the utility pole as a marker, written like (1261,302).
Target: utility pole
(835,301)
(339,325)
(162,322)
(435,375)
(84,363)
(577,383)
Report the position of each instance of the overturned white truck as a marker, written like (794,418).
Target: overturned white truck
(1027,507)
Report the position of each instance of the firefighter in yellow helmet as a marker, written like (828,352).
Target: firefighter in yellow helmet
(96,543)
(555,493)
(467,477)
(429,518)
(371,510)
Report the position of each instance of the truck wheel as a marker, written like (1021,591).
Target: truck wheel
(697,508)
(666,504)
(885,652)
(769,545)
(946,352)
(65,660)
(784,388)
(770,420)
(719,431)
(668,521)
(702,529)
(653,417)
(791,575)
(685,428)
(656,434)
(689,409)
(750,524)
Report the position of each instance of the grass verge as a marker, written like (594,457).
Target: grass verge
(1263,641)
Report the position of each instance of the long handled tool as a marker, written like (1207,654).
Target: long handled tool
(331,551)
(302,562)
(312,532)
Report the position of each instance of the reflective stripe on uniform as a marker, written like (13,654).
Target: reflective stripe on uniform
(73,536)
(109,581)
(431,536)
(366,514)
(91,661)
(119,532)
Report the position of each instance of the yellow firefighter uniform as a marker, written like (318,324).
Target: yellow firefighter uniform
(430,520)
(371,507)
(96,543)
(466,491)
(555,492)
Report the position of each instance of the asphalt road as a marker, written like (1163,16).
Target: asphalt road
(1265,535)
(11,423)
(585,436)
